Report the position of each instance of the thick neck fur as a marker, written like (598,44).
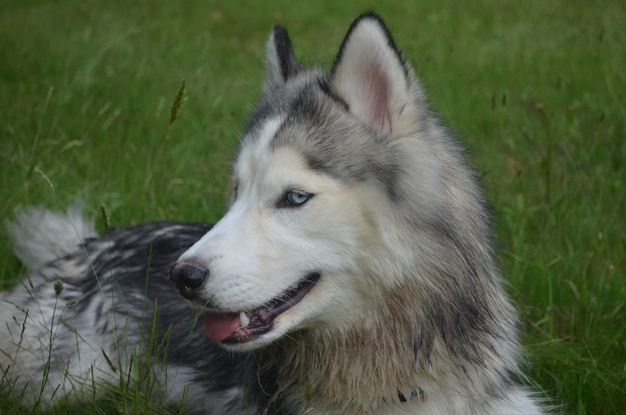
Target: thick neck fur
(405,358)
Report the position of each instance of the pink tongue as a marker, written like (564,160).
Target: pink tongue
(219,327)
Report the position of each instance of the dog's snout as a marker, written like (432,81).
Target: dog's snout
(188,278)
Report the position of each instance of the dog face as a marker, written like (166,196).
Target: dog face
(291,240)
(316,172)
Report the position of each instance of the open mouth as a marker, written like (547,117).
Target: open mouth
(246,326)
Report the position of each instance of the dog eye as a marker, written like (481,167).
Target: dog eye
(295,198)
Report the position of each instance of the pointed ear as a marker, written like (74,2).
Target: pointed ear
(281,63)
(372,78)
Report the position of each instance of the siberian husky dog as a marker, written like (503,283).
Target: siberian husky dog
(353,272)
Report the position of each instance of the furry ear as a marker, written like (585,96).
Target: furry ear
(281,63)
(371,77)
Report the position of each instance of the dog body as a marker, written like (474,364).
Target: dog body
(352,274)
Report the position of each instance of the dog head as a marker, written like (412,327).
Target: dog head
(314,230)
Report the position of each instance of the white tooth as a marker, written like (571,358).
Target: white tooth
(243,319)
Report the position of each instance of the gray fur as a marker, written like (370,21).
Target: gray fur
(88,314)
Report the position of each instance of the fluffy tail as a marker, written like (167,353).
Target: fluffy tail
(40,235)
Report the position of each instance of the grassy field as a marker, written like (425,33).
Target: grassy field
(535,89)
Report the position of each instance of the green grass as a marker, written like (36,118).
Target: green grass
(535,89)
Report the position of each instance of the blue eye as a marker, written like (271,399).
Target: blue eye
(296,198)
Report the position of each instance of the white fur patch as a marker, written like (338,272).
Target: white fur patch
(40,235)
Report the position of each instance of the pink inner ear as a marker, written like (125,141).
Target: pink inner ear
(377,112)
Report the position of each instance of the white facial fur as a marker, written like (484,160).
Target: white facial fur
(258,250)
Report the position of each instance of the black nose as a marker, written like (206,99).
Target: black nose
(187,278)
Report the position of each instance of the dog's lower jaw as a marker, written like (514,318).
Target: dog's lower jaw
(252,328)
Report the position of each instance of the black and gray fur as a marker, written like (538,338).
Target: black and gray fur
(106,305)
